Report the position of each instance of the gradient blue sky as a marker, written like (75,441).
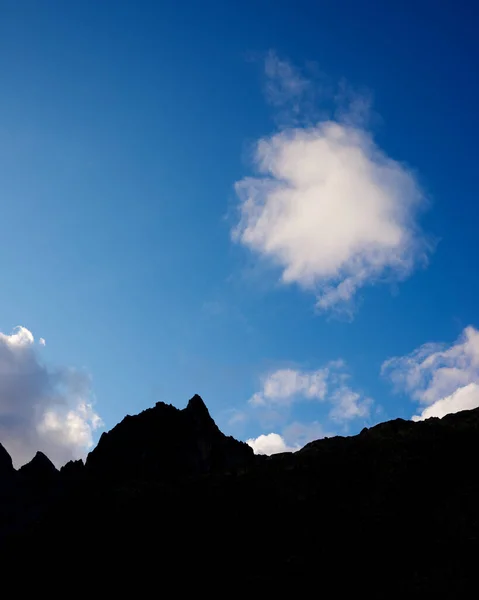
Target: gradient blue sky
(124,127)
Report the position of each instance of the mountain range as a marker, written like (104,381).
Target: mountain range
(167,500)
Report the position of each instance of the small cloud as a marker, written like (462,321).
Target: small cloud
(41,408)
(444,379)
(284,387)
(348,404)
(294,437)
(272,443)
(42,342)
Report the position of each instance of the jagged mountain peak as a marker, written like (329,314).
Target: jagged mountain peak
(40,464)
(165,442)
(197,405)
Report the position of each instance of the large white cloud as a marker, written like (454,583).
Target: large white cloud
(328,206)
(284,387)
(42,408)
(444,379)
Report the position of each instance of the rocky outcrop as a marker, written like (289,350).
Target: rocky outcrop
(6,466)
(167,443)
(39,471)
(73,469)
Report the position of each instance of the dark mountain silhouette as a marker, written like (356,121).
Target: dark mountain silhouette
(6,466)
(167,503)
(39,471)
(165,443)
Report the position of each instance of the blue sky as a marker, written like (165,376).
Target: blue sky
(260,202)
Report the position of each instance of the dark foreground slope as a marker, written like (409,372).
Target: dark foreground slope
(166,502)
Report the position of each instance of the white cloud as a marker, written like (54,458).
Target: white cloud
(329,207)
(42,342)
(443,378)
(294,437)
(348,404)
(272,443)
(19,338)
(464,398)
(284,387)
(42,408)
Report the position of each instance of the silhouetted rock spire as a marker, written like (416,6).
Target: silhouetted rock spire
(6,465)
(196,405)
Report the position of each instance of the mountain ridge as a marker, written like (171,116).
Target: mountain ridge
(394,506)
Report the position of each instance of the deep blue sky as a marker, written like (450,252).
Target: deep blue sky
(123,128)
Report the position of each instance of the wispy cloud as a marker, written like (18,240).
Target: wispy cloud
(288,90)
(284,387)
(328,206)
(444,379)
(41,408)
(236,416)
(283,391)
(348,404)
